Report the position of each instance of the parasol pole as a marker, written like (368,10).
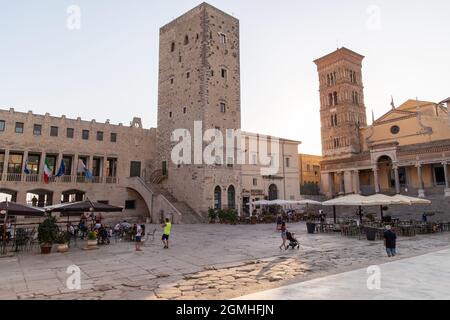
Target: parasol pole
(334,214)
(4,227)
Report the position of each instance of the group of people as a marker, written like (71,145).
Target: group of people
(389,235)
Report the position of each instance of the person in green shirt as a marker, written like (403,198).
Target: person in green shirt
(166,233)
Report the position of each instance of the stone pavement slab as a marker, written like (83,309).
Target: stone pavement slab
(423,277)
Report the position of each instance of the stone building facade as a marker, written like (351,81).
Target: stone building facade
(405,151)
(133,167)
(199,81)
(309,174)
(112,153)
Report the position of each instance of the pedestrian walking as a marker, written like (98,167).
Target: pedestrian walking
(283,235)
(390,241)
(167,228)
(138,237)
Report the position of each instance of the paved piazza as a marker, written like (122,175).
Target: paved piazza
(205,262)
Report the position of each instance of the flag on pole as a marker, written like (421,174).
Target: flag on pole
(82,169)
(62,169)
(25,169)
(392,103)
(47,171)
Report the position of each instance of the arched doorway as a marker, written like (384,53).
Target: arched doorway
(8,194)
(386,175)
(72,196)
(231,197)
(273,192)
(39,198)
(218,198)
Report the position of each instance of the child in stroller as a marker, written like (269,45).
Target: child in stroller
(293,242)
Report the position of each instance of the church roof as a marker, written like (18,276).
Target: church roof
(412,105)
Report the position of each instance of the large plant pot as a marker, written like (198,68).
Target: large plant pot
(46,249)
(91,245)
(253,220)
(311,227)
(371,234)
(62,248)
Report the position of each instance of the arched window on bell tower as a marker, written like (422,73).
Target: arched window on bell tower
(335,96)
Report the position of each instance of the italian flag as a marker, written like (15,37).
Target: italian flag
(47,172)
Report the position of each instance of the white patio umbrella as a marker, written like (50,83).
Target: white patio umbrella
(411,200)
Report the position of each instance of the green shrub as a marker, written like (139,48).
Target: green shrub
(92,236)
(48,231)
(213,214)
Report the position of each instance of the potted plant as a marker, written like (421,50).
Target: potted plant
(91,241)
(47,233)
(222,216)
(371,233)
(311,224)
(231,216)
(61,240)
(253,219)
(212,215)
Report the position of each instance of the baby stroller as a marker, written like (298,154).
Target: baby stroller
(293,242)
(103,236)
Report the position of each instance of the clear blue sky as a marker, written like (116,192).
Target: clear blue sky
(109,68)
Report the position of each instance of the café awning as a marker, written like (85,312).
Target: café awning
(15,209)
(83,206)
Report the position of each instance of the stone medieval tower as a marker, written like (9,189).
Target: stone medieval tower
(342,106)
(199,80)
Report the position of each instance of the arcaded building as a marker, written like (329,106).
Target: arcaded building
(134,167)
(406,151)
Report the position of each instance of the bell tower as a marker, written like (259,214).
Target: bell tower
(342,109)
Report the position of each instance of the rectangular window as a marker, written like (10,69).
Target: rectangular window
(184,110)
(288,162)
(15,163)
(223,107)
(255,182)
(135,169)
(130,204)
(170,114)
(70,133)
(53,131)
(111,167)
(96,167)
(85,135)
(164,168)
(67,166)
(223,73)
(37,129)
(171,80)
(188,74)
(113,137)
(33,163)
(99,135)
(2,125)
(19,127)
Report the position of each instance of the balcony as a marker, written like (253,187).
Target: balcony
(38,178)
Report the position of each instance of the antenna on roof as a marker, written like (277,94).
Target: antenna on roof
(373,117)
(392,103)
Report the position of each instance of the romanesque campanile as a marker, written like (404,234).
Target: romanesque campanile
(342,108)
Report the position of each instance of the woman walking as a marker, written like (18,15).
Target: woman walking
(283,235)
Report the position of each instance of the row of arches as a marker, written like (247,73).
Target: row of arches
(42,197)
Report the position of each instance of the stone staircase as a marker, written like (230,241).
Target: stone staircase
(158,198)
(189,216)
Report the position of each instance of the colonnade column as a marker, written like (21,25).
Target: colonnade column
(376,180)
(420,177)
(397,179)
(356,182)
(447,182)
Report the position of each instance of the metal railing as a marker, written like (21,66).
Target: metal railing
(39,178)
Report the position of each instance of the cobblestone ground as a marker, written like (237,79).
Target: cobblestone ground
(204,262)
